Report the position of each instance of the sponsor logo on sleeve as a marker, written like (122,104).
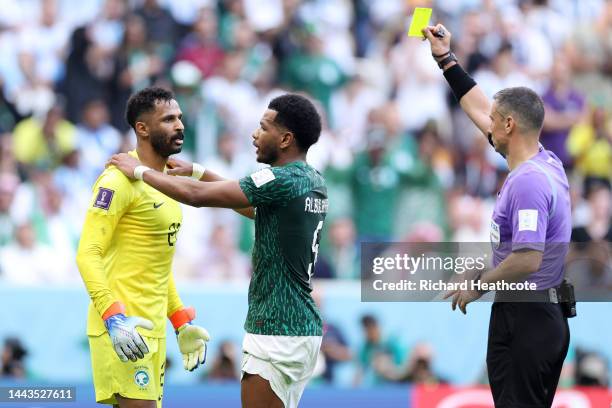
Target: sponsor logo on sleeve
(104,198)
(262,177)
(528,220)
(495,235)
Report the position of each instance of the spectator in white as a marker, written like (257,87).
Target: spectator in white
(108,28)
(11,76)
(532,49)
(58,228)
(469,218)
(501,72)
(350,107)
(222,261)
(71,181)
(550,22)
(8,187)
(565,107)
(335,17)
(43,47)
(26,262)
(185,12)
(332,149)
(233,163)
(243,96)
(414,74)
(264,15)
(97,140)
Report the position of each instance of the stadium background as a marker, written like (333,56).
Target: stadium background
(401,160)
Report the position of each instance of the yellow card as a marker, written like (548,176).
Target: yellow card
(420,20)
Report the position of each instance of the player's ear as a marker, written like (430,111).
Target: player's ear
(287,138)
(509,125)
(141,129)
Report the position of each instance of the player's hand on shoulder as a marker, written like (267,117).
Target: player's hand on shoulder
(179,168)
(192,341)
(125,163)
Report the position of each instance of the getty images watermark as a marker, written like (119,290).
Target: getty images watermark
(425,264)
(415,272)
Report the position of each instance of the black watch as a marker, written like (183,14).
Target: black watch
(450,58)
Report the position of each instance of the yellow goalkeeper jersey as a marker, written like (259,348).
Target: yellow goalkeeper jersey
(126,249)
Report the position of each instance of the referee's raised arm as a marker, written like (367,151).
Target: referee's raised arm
(471,98)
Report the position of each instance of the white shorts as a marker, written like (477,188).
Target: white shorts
(287,362)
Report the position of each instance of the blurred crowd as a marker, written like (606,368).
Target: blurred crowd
(375,358)
(401,160)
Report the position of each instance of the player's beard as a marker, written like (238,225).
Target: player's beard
(267,156)
(164,145)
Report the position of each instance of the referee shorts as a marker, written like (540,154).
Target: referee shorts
(527,345)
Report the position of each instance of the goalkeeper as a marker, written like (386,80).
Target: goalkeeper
(125,259)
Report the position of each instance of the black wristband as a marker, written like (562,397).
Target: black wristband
(440,55)
(459,80)
(446,60)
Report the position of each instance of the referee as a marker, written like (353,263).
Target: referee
(531,226)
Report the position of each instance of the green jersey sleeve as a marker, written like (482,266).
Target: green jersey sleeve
(269,186)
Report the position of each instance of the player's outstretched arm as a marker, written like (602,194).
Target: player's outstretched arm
(472,99)
(193,170)
(224,194)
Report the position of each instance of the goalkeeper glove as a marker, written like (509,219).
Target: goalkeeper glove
(127,342)
(191,339)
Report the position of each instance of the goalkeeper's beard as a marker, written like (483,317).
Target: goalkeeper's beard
(163,145)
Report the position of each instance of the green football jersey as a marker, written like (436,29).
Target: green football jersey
(291,204)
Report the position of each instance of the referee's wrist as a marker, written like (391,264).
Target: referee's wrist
(449,65)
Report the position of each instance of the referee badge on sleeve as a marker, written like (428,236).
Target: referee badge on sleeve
(528,220)
(495,235)
(104,198)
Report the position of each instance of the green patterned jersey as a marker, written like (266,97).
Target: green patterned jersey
(291,204)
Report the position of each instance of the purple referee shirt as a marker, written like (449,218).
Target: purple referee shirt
(533,211)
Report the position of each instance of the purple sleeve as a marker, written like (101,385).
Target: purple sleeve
(530,200)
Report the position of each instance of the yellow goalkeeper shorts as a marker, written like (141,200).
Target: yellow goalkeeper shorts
(142,379)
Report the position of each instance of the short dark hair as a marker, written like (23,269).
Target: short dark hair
(368,321)
(299,116)
(144,101)
(525,104)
